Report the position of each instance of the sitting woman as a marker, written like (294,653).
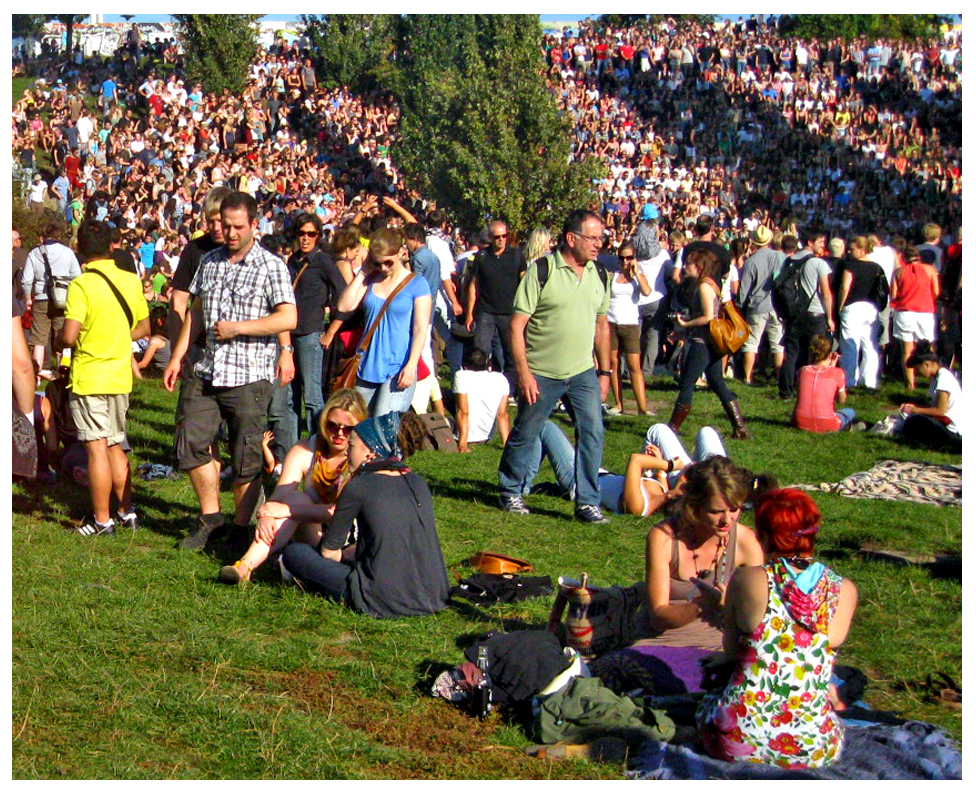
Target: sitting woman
(691,556)
(320,463)
(784,620)
(653,477)
(396,568)
(938,427)
(819,386)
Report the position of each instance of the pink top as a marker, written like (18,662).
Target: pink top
(816,391)
(914,290)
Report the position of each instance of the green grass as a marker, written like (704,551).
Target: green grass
(131,661)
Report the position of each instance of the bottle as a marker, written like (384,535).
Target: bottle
(482,695)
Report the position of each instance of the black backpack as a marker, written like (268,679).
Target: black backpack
(789,299)
(879,290)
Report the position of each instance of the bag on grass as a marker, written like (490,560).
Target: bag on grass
(438,433)
(485,589)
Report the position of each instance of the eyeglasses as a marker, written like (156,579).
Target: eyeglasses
(335,428)
(499,236)
(627,258)
(593,238)
(304,233)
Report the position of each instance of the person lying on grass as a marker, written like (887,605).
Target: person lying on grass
(652,479)
(320,465)
(396,568)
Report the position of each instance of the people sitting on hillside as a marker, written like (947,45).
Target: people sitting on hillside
(821,385)
(940,425)
(481,401)
(396,567)
(785,617)
(156,353)
(320,465)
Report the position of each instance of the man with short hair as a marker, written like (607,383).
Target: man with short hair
(495,276)
(557,322)
(818,317)
(53,257)
(932,234)
(481,401)
(243,299)
(755,299)
(105,313)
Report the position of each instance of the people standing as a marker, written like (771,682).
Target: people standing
(242,298)
(860,328)
(104,314)
(914,291)
(755,299)
(553,343)
(626,288)
(47,268)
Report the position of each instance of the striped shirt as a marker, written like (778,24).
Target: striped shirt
(246,290)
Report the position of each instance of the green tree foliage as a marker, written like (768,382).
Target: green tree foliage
(849,26)
(351,49)
(219,48)
(23,25)
(479,129)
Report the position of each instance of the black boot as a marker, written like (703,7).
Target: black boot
(734,413)
(678,416)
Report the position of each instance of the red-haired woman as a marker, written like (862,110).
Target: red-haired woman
(783,623)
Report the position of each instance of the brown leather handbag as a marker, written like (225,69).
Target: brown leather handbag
(346,377)
(729,331)
(490,562)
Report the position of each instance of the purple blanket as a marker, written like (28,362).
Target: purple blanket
(660,670)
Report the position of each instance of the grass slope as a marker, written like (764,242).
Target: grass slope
(131,661)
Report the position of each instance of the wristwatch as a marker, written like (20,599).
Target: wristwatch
(289,348)
(604,373)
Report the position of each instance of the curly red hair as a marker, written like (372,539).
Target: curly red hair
(787,521)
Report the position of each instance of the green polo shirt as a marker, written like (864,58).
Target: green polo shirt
(562,318)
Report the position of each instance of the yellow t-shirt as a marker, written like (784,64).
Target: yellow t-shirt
(101,360)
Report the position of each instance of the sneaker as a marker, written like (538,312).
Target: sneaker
(615,411)
(128,520)
(857,427)
(198,538)
(238,573)
(513,504)
(590,514)
(90,527)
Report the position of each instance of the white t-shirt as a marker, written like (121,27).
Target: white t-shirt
(623,302)
(655,270)
(946,381)
(485,390)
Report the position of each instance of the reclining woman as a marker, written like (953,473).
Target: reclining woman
(784,620)
(396,568)
(652,479)
(320,465)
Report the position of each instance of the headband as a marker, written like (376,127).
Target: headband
(380,434)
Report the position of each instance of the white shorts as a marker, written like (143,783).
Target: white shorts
(913,326)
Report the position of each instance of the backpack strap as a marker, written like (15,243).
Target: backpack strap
(542,265)
(118,295)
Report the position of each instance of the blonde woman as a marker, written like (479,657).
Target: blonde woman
(320,465)
(539,244)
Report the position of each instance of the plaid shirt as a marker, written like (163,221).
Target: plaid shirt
(247,290)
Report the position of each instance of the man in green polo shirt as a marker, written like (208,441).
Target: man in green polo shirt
(556,324)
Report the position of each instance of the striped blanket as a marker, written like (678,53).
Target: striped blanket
(901,481)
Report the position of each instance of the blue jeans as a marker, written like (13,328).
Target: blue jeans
(282,420)
(315,574)
(521,453)
(382,398)
(553,444)
(307,386)
(846,416)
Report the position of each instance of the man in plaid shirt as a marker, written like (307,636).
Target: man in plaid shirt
(243,298)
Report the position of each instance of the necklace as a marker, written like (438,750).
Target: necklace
(703,573)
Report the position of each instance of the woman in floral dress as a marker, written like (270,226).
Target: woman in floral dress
(783,623)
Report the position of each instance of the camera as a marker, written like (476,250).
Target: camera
(675,316)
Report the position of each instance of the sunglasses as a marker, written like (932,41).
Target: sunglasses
(335,428)
(628,258)
(313,235)
(499,236)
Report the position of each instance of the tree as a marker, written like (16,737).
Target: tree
(219,48)
(617,21)
(24,25)
(849,26)
(351,49)
(479,129)
(69,20)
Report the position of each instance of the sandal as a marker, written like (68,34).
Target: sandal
(238,573)
(941,688)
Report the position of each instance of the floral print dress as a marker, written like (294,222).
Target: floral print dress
(775,708)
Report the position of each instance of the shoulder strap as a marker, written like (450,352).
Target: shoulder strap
(542,270)
(47,268)
(368,336)
(115,291)
(294,284)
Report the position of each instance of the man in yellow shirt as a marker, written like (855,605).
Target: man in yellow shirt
(105,312)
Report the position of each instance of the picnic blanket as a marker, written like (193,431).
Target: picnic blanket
(900,481)
(910,751)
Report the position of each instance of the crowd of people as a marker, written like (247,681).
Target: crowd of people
(265,254)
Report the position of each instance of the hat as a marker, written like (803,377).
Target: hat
(649,213)
(379,433)
(37,177)
(762,236)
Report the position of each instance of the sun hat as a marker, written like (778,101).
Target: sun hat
(762,236)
